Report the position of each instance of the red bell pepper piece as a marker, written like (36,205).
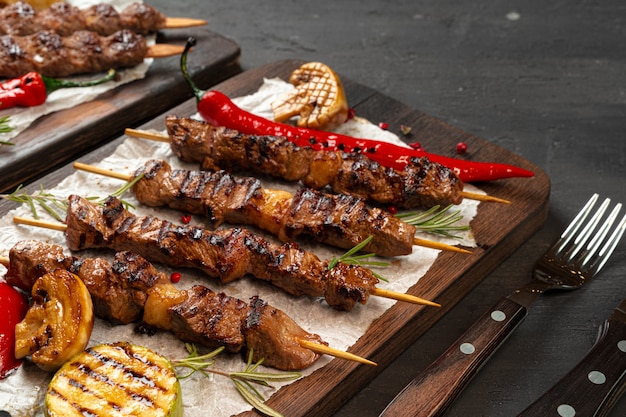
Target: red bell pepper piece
(32,89)
(217,109)
(13,308)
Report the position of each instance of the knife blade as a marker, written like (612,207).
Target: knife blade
(595,384)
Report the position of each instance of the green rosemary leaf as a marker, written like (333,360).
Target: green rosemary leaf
(254,400)
(361,260)
(243,380)
(436,221)
(5,127)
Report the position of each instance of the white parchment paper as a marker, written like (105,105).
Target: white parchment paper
(214,396)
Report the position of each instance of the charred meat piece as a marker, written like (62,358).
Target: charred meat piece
(226,254)
(422,184)
(198,315)
(338,220)
(31,260)
(20,19)
(81,52)
(274,336)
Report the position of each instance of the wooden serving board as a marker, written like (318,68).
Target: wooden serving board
(62,136)
(498,228)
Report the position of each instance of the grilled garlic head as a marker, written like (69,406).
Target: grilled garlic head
(318,98)
(59,322)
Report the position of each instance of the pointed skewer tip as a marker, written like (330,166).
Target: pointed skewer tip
(394,295)
(483,197)
(437,245)
(323,349)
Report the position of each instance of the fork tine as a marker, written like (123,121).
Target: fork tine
(572,228)
(611,244)
(581,238)
(595,243)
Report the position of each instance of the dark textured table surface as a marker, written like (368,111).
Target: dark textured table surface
(545,79)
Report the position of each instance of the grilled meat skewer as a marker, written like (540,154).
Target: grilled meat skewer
(131,290)
(81,52)
(423,184)
(335,219)
(225,254)
(21,19)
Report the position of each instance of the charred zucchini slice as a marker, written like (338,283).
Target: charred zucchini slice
(119,379)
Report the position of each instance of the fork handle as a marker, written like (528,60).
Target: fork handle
(593,386)
(434,389)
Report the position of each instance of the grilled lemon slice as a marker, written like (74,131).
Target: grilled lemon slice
(118,379)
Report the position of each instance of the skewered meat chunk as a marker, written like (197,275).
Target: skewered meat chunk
(81,52)
(21,19)
(198,315)
(338,220)
(422,184)
(31,260)
(226,254)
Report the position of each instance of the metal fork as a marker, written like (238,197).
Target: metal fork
(577,256)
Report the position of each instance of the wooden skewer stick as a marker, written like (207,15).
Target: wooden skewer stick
(124,177)
(160,137)
(437,245)
(163,50)
(483,197)
(307,344)
(182,22)
(144,134)
(394,295)
(319,348)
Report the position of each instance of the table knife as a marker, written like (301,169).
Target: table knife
(595,384)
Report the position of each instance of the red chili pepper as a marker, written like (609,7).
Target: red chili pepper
(13,308)
(217,109)
(32,89)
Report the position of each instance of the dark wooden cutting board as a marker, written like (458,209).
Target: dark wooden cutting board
(62,136)
(498,228)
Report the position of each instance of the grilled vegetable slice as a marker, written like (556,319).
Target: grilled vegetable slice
(59,322)
(318,98)
(118,379)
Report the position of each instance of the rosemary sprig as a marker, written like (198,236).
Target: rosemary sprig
(244,380)
(440,222)
(54,205)
(5,127)
(351,258)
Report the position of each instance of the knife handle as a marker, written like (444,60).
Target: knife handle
(595,384)
(434,389)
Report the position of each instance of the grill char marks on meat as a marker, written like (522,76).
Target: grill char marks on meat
(423,184)
(20,19)
(81,52)
(226,254)
(197,315)
(338,220)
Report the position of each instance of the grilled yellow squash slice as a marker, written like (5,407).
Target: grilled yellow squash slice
(118,379)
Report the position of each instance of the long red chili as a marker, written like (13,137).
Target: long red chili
(32,89)
(217,109)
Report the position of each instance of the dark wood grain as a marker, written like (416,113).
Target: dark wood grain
(499,230)
(59,137)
